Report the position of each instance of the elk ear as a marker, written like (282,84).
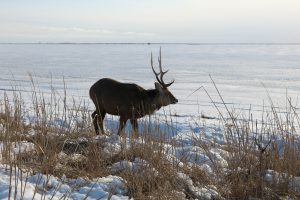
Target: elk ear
(158,87)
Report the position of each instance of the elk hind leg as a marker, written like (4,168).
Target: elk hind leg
(95,121)
(122,124)
(100,120)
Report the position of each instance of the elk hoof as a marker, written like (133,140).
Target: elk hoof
(135,135)
(121,134)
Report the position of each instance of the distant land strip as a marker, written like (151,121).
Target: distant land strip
(152,43)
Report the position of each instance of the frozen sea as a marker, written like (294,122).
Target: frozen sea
(243,73)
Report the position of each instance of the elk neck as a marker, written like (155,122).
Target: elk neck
(153,96)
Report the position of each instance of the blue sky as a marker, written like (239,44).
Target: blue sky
(150,21)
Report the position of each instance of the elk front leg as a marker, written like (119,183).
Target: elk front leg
(122,124)
(134,125)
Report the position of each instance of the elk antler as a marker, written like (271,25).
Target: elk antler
(161,73)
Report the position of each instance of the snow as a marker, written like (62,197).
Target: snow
(273,177)
(22,146)
(16,148)
(199,193)
(99,188)
(136,166)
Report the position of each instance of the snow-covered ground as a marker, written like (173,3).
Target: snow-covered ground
(25,186)
(244,74)
(186,148)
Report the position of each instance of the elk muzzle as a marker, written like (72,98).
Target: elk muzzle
(175,101)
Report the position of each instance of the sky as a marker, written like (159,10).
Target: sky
(199,21)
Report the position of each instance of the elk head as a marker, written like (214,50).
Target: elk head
(165,96)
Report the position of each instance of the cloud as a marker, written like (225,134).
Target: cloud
(93,32)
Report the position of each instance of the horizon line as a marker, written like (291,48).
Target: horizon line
(168,43)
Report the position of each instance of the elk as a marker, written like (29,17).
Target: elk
(128,100)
